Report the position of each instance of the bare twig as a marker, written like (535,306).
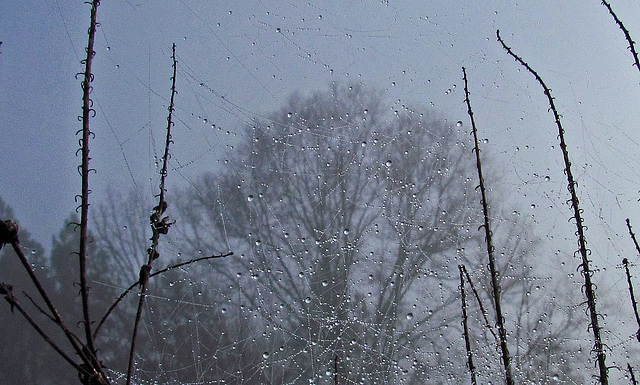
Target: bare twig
(633,376)
(625,262)
(465,326)
(133,286)
(159,224)
(633,236)
(627,35)
(587,273)
(495,282)
(482,309)
(7,291)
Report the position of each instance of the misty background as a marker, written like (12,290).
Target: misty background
(239,63)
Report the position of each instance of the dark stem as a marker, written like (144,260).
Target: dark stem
(465,325)
(133,286)
(7,291)
(87,113)
(631,47)
(633,236)
(159,225)
(477,296)
(633,377)
(54,312)
(625,262)
(495,282)
(587,273)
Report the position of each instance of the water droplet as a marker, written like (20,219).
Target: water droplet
(289,114)
(485,140)
(325,283)
(307,300)
(533,205)
(345,231)
(459,123)
(365,111)
(250,198)
(265,355)
(409,315)
(547,178)
(389,163)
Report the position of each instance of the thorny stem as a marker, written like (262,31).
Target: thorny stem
(159,225)
(587,273)
(465,325)
(87,113)
(631,47)
(130,288)
(633,236)
(495,282)
(625,262)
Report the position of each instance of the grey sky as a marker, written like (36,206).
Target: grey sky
(250,55)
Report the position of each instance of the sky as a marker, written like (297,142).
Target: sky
(239,60)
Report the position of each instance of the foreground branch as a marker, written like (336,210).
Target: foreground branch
(465,326)
(159,224)
(587,273)
(627,35)
(133,286)
(495,282)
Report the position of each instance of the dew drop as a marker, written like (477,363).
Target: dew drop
(250,198)
(389,163)
(459,123)
(409,315)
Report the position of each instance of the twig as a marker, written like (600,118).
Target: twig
(482,309)
(577,215)
(633,236)
(467,339)
(625,262)
(633,377)
(495,282)
(133,286)
(159,224)
(627,35)
(7,291)
(40,309)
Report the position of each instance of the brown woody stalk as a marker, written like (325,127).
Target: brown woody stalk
(627,35)
(587,273)
(159,224)
(495,282)
(465,326)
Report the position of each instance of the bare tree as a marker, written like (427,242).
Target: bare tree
(351,217)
